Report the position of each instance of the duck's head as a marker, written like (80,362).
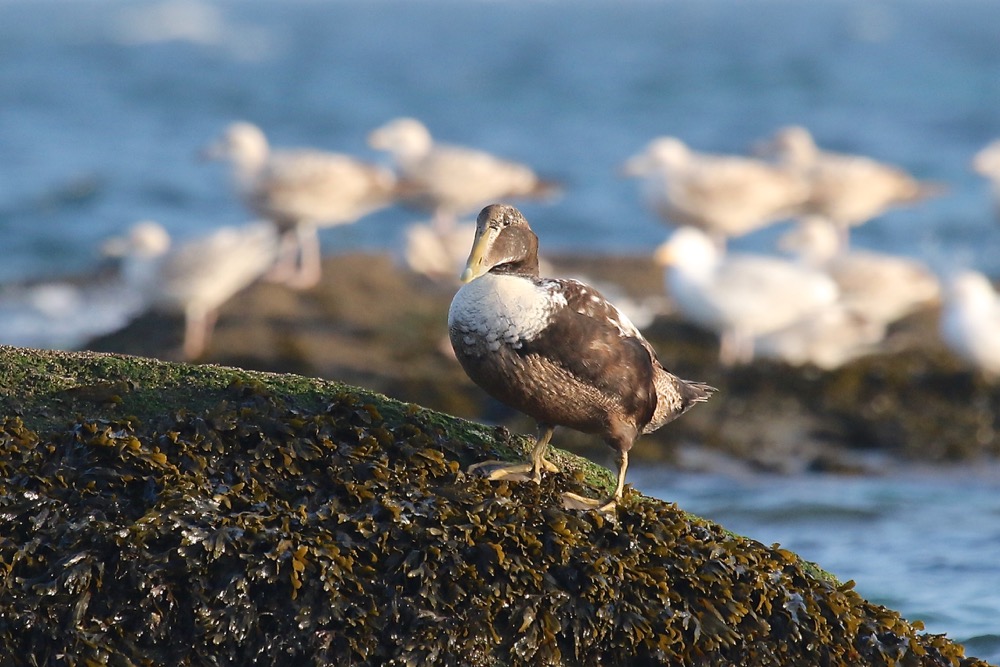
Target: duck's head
(503,243)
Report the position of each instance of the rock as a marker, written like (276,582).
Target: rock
(374,324)
(163,513)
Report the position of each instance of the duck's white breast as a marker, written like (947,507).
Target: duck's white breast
(495,310)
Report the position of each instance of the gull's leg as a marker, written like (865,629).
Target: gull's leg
(729,348)
(574,501)
(843,237)
(286,263)
(495,470)
(310,265)
(443,222)
(719,239)
(198,325)
(747,349)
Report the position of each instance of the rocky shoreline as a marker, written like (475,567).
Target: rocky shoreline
(377,325)
(159,513)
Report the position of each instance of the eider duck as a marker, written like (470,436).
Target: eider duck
(724,195)
(557,351)
(848,190)
(450,181)
(300,190)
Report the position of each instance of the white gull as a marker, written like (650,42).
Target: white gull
(451,181)
(198,276)
(827,339)
(848,190)
(300,190)
(986,163)
(970,321)
(724,195)
(436,252)
(879,287)
(739,296)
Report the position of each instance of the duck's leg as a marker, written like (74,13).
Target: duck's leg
(574,501)
(531,469)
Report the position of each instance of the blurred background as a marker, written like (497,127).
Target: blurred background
(882,469)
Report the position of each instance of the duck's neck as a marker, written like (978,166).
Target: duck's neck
(525,268)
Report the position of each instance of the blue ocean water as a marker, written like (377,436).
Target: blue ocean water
(104,105)
(923,543)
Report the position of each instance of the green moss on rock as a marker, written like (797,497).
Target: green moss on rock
(158,513)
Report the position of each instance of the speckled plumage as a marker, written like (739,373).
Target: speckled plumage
(557,350)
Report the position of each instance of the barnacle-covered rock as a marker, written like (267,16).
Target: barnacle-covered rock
(155,513)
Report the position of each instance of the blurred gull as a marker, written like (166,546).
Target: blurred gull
(739,297)
(195,278)
(827,339)
(451,181)
(723,195)
(847,190)
(435,252)
(882,288)
(300,190)
(986,163)
(970,321)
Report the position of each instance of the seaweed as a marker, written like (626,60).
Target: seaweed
(215,516)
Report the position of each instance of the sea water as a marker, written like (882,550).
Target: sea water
(924,543)
(104,105)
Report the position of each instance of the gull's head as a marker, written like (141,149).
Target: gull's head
(813,238)
(661,153)
(243,144)
(792,144)
(987,161)
(403,138)
(971,289)
(145,240)
(687,247)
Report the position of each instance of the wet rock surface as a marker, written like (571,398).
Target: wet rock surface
(377,325)
(155,513)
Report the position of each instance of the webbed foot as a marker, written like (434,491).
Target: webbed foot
(573,501)
(520,472)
